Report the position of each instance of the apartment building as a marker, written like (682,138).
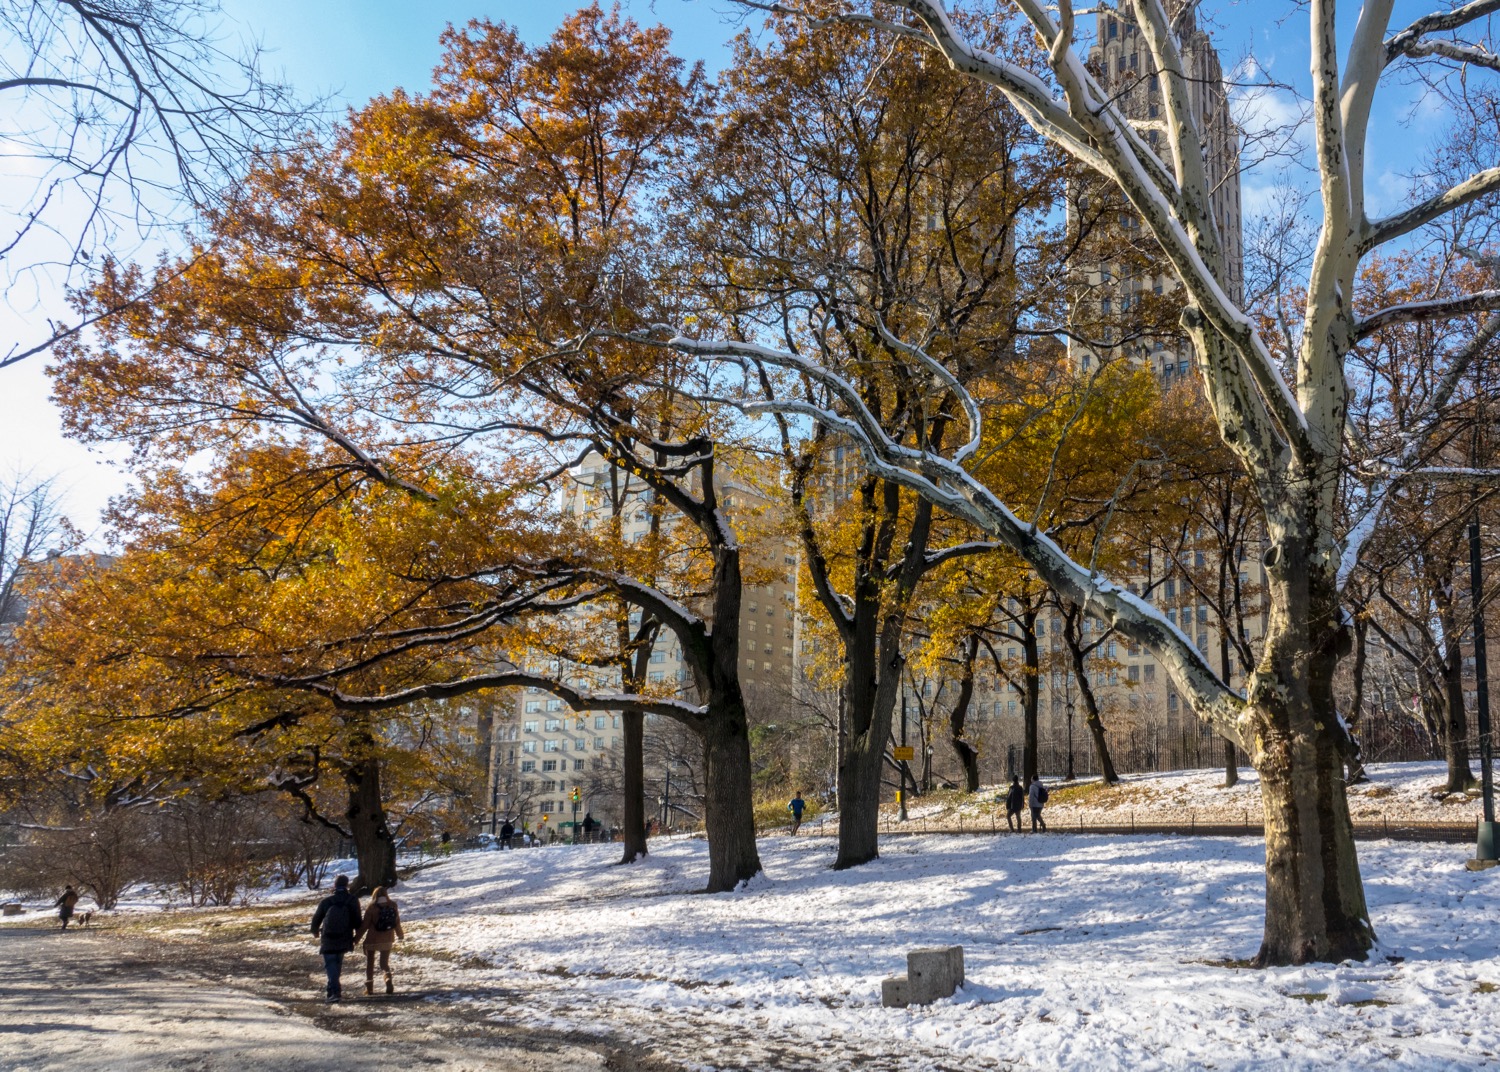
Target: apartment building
(548,750)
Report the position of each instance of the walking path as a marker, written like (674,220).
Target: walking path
(91,1001)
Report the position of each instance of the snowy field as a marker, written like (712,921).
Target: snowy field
(1395,792)
(1081,952)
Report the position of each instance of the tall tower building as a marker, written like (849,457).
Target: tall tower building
(1127,265)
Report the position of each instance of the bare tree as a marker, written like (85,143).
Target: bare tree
(127,112)
(30,520)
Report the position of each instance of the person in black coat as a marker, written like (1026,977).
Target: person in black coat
(1015,800)
(335,924)
(507,831)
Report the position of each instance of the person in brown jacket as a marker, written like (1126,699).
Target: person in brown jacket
(380,929)
(64,905)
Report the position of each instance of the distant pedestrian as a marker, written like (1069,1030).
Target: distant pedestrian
(1038,799)
(796,806)
(64,905)
(380,928)
(1015,800)
(589,826)
(335,924)
(507,831)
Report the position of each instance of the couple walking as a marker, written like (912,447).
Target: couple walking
(1036,797)
(339,925)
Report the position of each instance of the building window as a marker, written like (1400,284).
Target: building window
(528,746)
(1133,674)
(599,743)
(549,786)
(554,724)
(598,722)
(655,675)
(549,765)
(578,764)
(580,744)
(530,727)
(528,765)
(1150,674)
(548,746)
(533,706)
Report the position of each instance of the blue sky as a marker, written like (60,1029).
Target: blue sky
(354,49)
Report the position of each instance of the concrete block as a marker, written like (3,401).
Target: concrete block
(895,992)
(11,909)
(934,973)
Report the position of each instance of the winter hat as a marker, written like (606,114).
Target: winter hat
(341,883)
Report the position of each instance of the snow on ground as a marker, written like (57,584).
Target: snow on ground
(1081,952)
(1397,792)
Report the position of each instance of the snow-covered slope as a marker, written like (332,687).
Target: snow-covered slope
(1082,952)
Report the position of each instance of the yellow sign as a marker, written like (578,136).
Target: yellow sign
(904,753)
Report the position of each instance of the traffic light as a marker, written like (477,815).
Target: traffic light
(577,796)
(545,817)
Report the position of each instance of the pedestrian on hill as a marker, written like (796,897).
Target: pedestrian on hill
(380,929)
(64,905)
(1015,800)
(507,831)
(1038,799)
(335,924)
(796,806)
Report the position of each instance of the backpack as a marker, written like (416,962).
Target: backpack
(1043,795)
(336,921)
(385,919)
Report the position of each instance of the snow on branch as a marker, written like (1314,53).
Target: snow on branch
(1436,309)
(948,486)
(1458,52)
(1378,232)
(1403,43)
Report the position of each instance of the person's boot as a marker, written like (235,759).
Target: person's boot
(369,986)
(390,984)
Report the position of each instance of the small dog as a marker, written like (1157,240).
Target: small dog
(84,918)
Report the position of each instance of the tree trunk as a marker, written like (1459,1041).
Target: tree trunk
(1455,717)
(1315,903)
(728,807)
(1091,717)
(633,777)
(373,845)
(872,701)
(968,755)
(1030,700)
(1231,756)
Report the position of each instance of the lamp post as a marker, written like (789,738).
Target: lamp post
(905,764)
(577,797)
(1484,855)
(666,798)
(1068,693)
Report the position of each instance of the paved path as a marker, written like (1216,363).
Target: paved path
(100,1002)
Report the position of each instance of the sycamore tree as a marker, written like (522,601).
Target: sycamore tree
(1282,415)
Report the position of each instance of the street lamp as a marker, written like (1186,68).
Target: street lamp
(1484,855)
(1068,693)
(905,763)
